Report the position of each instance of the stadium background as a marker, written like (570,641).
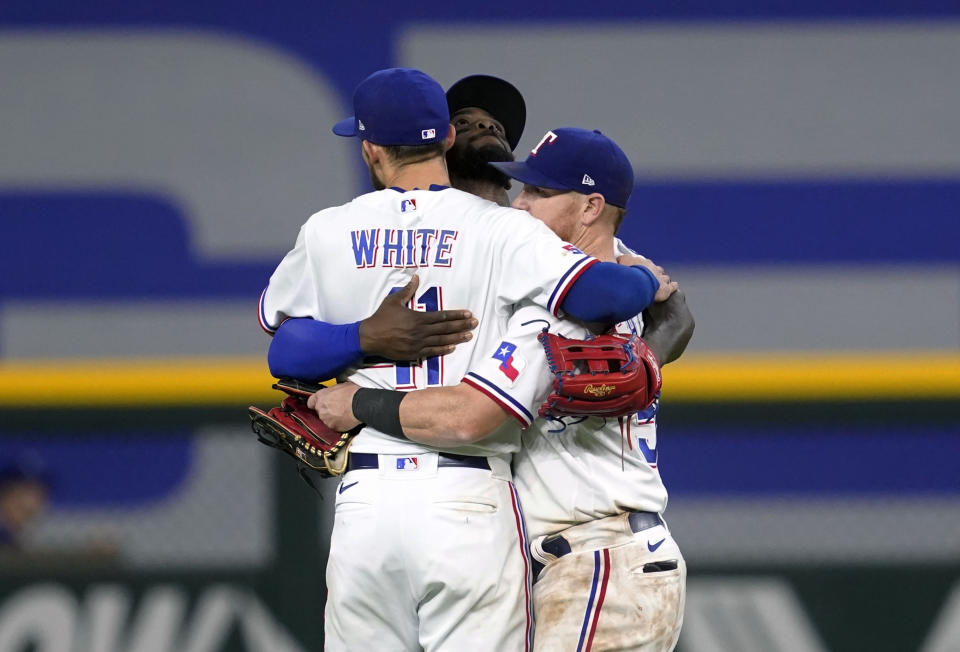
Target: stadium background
(798,171)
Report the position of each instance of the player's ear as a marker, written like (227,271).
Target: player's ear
(366,149)
(373,154)
(451,138)
(592,208)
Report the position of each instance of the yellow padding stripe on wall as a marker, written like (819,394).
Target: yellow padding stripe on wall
(215,381)
(813,375)
(148,382)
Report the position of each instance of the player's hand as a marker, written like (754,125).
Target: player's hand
(334,406)
(396,332)
(667,287)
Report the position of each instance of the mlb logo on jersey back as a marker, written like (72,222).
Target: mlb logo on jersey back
(572,249)
(407,464)
(407,205)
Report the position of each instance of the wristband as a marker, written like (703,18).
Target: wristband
(380,409)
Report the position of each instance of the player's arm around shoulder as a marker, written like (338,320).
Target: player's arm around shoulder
(668,323)
(540,267)
(668,327)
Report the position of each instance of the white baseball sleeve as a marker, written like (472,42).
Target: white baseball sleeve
(292,290)
(515,374)
(542,266)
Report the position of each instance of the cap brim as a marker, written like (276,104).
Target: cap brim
(498,97)
(346,127)
(523,173)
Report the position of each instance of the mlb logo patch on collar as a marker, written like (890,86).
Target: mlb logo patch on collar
(408,205)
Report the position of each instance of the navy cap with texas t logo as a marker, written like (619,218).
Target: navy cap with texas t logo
(582,160)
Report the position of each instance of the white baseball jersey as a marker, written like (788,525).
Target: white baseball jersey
(577,469)
(470,253)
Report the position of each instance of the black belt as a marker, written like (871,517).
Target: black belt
(639,521)
(359,461)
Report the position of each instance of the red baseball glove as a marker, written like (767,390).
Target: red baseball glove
(296,430)
(609,375)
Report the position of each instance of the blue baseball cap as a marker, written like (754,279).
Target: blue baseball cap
(398,106)
(582,160)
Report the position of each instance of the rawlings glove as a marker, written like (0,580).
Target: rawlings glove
(609,375)
(296,430)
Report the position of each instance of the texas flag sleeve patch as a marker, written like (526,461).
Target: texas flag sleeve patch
(511,364)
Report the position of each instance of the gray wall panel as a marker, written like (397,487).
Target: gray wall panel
(760,99)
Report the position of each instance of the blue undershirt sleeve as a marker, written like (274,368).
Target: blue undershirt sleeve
(307,349)
(610,293)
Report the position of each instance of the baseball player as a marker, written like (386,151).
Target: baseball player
(610,575)
(489,115)
(427,549)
